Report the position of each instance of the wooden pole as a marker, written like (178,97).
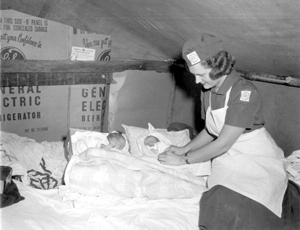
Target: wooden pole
(67,66)
(263,77)
(271,78)
(66,72)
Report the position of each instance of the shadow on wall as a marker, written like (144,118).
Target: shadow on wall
(185,81)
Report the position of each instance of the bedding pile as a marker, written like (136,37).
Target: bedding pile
(103,189)
(293,167)
(40,165)
(130,173)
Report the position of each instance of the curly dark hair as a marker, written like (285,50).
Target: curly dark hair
(221,64)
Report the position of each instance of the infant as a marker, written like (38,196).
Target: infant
(155,145)
(115,140)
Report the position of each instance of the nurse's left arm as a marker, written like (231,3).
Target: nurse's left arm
(228,136)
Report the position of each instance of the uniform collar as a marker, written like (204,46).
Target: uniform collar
(227,83)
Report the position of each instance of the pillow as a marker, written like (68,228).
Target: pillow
(132,134)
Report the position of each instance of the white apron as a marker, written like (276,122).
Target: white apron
(254,166)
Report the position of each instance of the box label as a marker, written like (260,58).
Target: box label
(87,106)
(27,37)
(34,111)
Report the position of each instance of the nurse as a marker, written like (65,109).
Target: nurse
(248,177)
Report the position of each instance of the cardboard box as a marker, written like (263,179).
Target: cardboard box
(99,42)
(46,112)
(68,143)
(87,106)
(27,37)
(35,112)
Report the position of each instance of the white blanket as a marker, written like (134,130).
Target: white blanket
(40,164)
(64,210)
(98,172)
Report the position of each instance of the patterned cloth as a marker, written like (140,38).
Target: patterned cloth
(42,179)
(41,165)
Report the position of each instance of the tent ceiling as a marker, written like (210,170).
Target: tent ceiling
(264,36)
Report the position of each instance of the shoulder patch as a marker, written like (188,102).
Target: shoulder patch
(245,96)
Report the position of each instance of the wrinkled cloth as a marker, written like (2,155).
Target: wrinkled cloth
(32,161)
(25,150)
(293,167)
(98,171)
(63,210)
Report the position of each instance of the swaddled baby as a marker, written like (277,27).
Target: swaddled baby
(81,141)
(155,145)
(156,141)
(114,141)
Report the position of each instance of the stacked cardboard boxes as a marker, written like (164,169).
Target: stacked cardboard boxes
(47,112)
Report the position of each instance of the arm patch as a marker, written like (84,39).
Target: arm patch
(245,96)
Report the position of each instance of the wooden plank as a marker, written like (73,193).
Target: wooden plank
(43,73)
(271,78)
(263,77)
(66,72)
(67,66)
(49,79)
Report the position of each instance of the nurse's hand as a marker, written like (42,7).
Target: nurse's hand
(176,150)
(171,158)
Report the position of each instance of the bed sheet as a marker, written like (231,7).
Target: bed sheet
(62,209)
(97,171)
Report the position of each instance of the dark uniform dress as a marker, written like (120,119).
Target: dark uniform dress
(247,184)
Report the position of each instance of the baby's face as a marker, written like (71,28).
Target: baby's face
(117,142)
(150,141)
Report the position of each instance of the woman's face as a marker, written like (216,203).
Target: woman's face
(202,76)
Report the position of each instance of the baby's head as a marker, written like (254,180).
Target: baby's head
(116,140)
(155,145)
(150,140)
